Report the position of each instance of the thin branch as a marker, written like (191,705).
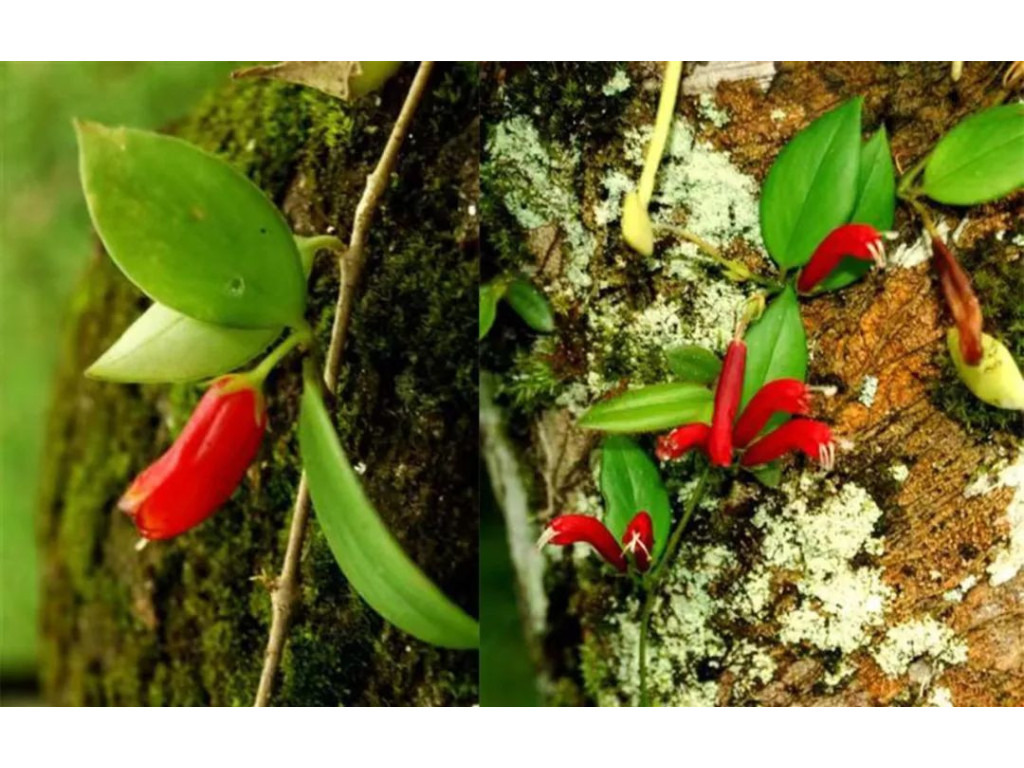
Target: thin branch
(351,264)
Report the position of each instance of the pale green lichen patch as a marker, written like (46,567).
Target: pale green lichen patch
(941,697)
(899,472)
(1008,560)
(868,390)
(957,593)
(616,84)
(711,112)
(535,183)
(919,639)
(840,602)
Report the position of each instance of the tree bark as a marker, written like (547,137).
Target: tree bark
(186,621)
(949,630)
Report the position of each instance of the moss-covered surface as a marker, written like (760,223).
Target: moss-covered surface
(805,594)
(185,622)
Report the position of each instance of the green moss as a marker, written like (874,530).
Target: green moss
(185,622)
(995,268)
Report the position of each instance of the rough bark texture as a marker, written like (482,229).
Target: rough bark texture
(185,622)
(930,535)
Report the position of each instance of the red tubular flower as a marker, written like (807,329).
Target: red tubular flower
(204,466)
(727,402)
(858,241)
(963,302)
(813,438)
(638,540)
(680,440)
(572,529)
(778,396)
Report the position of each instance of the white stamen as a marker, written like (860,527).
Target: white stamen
(141,544)
(546,537)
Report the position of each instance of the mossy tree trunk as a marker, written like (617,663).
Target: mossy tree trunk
(877,585)
(186,621)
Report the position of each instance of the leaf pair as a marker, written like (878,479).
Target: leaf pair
(198,238)
(824,178)
(370,557)
(527,301)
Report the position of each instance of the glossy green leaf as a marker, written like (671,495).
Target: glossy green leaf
(189,230)
(812,187)
(651,409)
(630,483)
(164,345)
(690,362)
(530,304)
(776,346)
(876,205)
(769,475)
(981,159)
(370,557)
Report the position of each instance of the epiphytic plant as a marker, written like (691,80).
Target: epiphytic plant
(228,278)
(825,203)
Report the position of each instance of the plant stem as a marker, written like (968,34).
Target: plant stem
(662,125)
(351,263)
(277,354)
(659,573)
(730,265)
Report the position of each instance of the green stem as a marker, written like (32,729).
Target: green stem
(654,580)
(299,336)
(741,271)
(308,246)
(662,125)
(910,176)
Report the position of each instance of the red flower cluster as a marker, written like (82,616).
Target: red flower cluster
(204,466)
(728,434)
(637,540)
(858,241)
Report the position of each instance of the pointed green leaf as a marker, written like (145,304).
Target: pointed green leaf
(189,230)
(489,295)
(651,409)
(981,159)
(370,557)
(164,345)
(630,483)
(690,362)
(530,304)
(776,346)
(769,475)
(876,205)
(812,187)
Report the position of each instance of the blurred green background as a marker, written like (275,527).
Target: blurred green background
(45,239)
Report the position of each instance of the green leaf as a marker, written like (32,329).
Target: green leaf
(630,482)
(189,230)
(876,205)
(651,409)
(530,304)
(769,475)
(690,362)
(776,346)
(812,187)
(489,295)
(164,345)
(981,159)
(370,557)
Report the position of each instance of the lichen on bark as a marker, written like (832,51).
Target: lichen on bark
(780,597)
(186,622)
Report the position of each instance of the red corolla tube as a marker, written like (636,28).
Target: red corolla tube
(812,438)
(680,440)
(962,301)
(573,529)
(858,241)
(638,540)
(727,402)
(201,470)
(778,396)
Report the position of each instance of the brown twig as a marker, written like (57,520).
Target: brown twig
(351,265)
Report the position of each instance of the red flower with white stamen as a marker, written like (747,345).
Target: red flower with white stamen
(637,541)
(727,434)
(857,241)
